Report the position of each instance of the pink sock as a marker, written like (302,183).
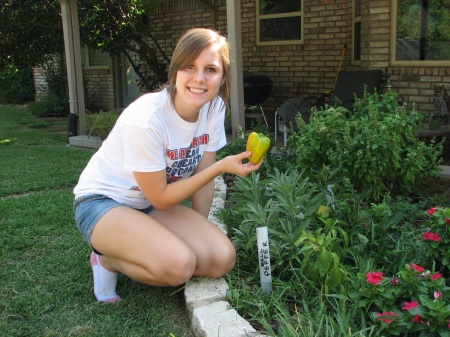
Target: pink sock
(104,282)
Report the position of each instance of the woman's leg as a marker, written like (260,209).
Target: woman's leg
(165,248)
(214,252)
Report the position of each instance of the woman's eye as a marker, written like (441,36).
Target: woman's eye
(211,70)
(190,67)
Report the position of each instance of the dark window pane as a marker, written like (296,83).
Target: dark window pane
(281,29)
(423,30)
(279,7)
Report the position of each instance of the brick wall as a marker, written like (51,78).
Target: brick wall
(99,89)
(296,70)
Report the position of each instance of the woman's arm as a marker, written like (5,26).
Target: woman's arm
(164,196)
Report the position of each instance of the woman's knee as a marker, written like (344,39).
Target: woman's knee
(173,271)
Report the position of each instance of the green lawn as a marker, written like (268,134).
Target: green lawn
(46,282)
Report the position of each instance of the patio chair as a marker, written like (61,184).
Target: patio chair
(349,84)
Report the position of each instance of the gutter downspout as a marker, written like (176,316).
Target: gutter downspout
(69,13)
(237,78)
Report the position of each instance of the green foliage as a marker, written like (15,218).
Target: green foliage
(413,303)
(16,85)
(53,101)
(101,123)
(49,104)
(436,238)
(31,30)
(376,147)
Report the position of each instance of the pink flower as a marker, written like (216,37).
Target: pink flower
(385,316)
(436,276)
(431,211)
(447,221)
(395,280)
(418,319)
(437,295)
(431,236)
(416,267)
(448,323)
(410,305)
(374,277)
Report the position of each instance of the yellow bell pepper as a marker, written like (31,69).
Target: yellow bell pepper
(258,144)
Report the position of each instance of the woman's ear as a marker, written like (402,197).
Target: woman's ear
(223,81)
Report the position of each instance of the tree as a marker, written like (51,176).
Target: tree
(31,30)
(124,27)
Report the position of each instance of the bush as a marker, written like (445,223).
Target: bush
(376,146)
(49,105)
(16,85)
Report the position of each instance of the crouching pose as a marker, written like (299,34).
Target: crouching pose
(162,151)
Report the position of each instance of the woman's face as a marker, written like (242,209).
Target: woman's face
(198,84)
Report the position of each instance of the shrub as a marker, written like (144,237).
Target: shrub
(101,123)
(413,303)
(376,147)
(49,105)
(16,85)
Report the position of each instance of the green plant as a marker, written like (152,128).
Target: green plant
(376,147)
(16,85)
(436,238)
(414,303)
(101,123)
(49,104)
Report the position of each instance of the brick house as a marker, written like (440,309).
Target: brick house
(304,63)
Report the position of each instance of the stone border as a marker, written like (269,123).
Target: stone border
(210,314)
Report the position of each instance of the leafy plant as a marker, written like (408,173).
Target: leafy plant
(413,303)
(376,147)
(436,238)
(101,123)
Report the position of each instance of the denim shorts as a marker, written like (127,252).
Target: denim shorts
(88,210)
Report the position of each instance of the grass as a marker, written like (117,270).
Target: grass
(46,282)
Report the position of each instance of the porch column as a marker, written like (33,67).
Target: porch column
(69,12)
(237,84)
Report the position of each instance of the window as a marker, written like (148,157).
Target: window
(356,30)
(421,32)
(91,58)
(279,22)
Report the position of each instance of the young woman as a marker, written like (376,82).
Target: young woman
(162,151)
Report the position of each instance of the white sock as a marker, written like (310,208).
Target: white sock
(104,282)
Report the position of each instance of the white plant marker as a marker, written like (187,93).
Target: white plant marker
(265,272)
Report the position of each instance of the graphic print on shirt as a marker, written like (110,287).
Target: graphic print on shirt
(185,160)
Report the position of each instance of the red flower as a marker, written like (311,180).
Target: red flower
(386,317)
(416,267)
(431,211)
(374,277)
(447,221)
(431,236)
(419,319)
(448,323)
(410,305)
(395,280)
(436,276)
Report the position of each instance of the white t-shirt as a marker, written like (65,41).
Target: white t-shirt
(150,136)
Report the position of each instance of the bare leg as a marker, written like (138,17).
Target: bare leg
(164,249)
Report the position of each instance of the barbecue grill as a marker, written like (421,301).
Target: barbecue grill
(257,90)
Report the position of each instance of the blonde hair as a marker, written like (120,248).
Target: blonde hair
(190,45)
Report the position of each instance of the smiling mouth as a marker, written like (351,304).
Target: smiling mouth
(196,91)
